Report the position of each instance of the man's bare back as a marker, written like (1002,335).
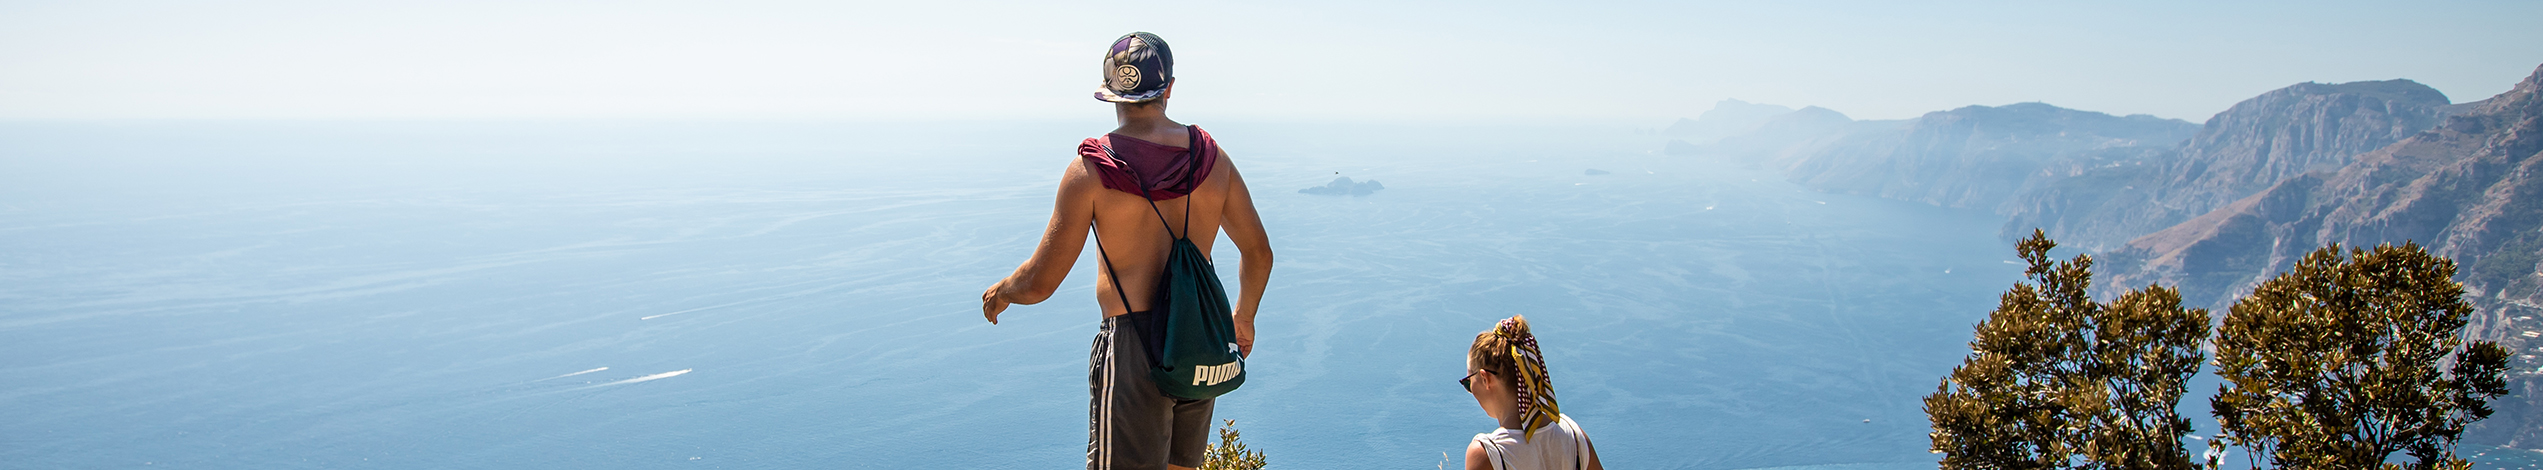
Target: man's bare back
(1134,239)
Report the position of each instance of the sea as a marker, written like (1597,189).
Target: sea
(634,294)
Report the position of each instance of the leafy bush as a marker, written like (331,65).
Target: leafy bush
(2340,363)
(1230,453)
(2055,380)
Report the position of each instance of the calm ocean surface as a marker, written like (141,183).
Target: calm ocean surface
(785,295)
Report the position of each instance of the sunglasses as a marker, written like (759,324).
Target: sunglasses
(1467,382)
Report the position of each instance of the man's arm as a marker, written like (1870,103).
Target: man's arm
(1071,215)
(1245,228)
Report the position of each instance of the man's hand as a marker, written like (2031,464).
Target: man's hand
(1245,338)
(1072,215)
(991,303)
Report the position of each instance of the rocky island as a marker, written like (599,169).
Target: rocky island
(1343,186)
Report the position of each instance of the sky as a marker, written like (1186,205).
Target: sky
(1341,61)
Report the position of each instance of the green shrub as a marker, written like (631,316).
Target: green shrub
(1230,453)
(2055,380)
(2341,363)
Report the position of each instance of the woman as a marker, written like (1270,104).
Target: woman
(1507,376)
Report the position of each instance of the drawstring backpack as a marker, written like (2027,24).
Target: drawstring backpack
(1188,332)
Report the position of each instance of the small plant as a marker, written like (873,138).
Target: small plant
(1230,453)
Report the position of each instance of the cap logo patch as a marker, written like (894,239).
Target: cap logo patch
(1125,77)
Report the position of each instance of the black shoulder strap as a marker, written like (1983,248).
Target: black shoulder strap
(1108,271)
(1107,258)
(1200,148)
(1500,458)
(1580,441)
(1491,453)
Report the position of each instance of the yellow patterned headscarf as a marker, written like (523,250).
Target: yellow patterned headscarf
(1536,389)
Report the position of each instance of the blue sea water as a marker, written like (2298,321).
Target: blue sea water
(804,294)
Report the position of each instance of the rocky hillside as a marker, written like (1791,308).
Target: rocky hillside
(2214,209)
(1976,156)
(2470,189)
(2260,141)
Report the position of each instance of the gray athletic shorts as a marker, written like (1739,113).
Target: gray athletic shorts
(1132,426)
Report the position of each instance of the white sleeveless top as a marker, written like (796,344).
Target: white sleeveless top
(1561,446)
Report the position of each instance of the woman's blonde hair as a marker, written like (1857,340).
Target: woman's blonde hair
(1509,351)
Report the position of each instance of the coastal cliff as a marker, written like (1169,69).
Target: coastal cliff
(2261,141)
(1977,156)
(2470,189)
(2214,209)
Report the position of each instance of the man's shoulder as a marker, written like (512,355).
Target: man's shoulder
(1203,137)
(1081,169)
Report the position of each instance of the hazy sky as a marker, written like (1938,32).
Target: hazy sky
(1443,61)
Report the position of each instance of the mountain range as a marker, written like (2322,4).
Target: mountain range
(2215,208)
(1727,118)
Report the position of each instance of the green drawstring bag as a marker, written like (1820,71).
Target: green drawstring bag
(1188,333)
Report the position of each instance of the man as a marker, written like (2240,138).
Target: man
(1138,187)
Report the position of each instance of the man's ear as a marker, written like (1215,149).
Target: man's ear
(1169,91)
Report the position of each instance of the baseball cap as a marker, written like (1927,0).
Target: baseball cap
(1137,69)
